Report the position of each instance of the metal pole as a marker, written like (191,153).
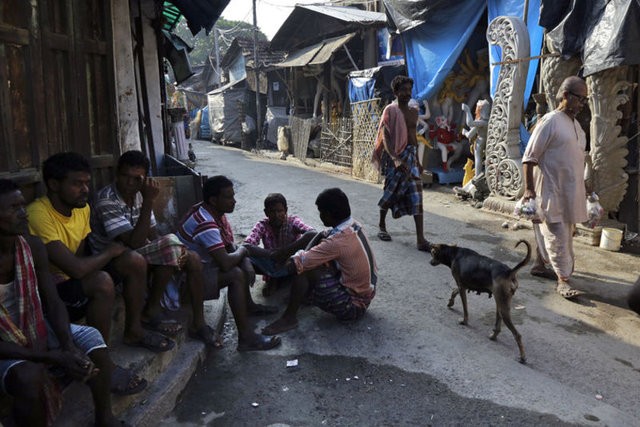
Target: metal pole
(217,48)
(256,70)
(526,11)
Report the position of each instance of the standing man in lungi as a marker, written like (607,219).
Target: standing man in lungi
(122,212)
(395,154)
(553,167)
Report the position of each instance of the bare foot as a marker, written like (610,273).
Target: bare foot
(283,324)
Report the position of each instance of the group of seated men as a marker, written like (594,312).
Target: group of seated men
(61,261)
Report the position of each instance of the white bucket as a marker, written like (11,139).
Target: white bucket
(611,239)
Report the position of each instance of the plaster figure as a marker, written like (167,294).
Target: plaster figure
(478,130)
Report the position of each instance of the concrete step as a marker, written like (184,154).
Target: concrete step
(167,374)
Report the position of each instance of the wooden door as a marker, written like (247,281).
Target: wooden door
(56,57)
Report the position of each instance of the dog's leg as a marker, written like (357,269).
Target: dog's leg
(465,312)
(497,326)
(454,293)
(503,309)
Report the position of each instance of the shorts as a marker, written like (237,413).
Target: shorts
(74,298)
(85,338)
(331,296)
(269,267)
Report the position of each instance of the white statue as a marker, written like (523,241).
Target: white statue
(477,130)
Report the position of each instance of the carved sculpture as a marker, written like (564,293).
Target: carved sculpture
(607,91)
(503,164)
(478,130)
(554,69)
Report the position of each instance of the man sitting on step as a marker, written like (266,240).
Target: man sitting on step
(36,339)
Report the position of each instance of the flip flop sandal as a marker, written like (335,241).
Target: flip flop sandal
(125,382)
(170,327)
(567,292)
(384,236)
(207,335)
(153,341)
(263,343)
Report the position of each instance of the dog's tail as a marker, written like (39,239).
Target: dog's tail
(526,259)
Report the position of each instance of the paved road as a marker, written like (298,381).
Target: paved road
(408,362)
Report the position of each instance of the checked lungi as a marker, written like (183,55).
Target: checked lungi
(331,296)
(402,192)
(165,250)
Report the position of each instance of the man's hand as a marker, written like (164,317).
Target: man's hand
(402,166)
(529,194)
(150,189)
(77,365)
(115,249)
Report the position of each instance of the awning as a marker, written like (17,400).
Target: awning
(318,53)
(175,50)
(226,87)
(200,14)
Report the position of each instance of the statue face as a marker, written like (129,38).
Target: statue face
(441,121)
(483,110)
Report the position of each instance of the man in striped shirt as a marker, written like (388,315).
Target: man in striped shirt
(338,270)
(206,231)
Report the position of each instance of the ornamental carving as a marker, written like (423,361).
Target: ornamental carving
(503,161)
(607,91)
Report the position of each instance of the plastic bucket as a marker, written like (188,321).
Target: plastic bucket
(611,239)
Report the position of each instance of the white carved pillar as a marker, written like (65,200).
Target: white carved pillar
(607,91)
(503,160)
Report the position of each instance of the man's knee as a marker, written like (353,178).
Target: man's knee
(99,285)
(26,380)
(130,262)
(232,278)
(194,262)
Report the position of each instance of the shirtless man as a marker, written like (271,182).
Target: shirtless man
(395,154)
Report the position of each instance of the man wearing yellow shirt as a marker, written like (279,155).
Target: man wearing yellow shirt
(61,220)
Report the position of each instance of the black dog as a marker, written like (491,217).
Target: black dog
(475,272)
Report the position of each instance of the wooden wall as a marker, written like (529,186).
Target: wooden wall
(56,87)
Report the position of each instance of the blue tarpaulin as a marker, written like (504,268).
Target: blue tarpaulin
(433,47)
(361,88)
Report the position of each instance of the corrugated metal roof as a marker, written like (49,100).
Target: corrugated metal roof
(318,53)
(348,14)
(244,46)
(307,25)
(328,47)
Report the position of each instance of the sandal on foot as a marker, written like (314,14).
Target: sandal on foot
(278,327)
(153,341)
(384,236)
(207,335)
(566,291)
(261,343)
(170,327)
(545,273)
(125,382)
(261,310)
